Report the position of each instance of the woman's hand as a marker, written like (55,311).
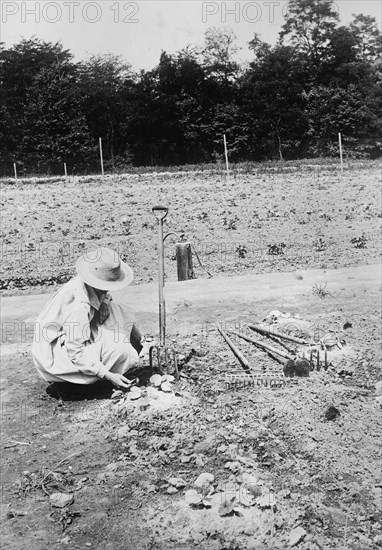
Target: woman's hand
(119,380)
(103,312)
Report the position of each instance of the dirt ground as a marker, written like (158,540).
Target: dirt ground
(311,217)
(283,473)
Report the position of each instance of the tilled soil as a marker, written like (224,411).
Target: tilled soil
(242,223)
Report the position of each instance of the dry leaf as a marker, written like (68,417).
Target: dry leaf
(177,482)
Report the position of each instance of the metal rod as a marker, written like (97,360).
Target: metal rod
(235,350)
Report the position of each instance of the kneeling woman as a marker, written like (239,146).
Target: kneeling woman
(82,336)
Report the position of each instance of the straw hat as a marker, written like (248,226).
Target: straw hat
(103,269)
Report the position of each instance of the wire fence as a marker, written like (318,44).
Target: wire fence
(40,164)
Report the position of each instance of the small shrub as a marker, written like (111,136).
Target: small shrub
(242,251)
(320,291)
(232,223)
(276,249)
(320,245)
(202,216)
(359,242)
(326,217)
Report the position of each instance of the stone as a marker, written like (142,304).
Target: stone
(205,446)
(310,447)
(249,479)
(177,482)
(123,432)
(233,466)
(135,393)
(60,500)
(331,413)
(296,536)
(197,536)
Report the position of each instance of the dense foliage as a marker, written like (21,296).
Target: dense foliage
(289,102)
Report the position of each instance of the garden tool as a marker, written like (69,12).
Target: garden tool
(235,350)
(269,331)
(160,356)
(313,352)
(249,377)
(267,379)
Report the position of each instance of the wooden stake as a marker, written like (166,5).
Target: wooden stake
(15,170)
(101,156)
(226,153)
(65,170)
(340,144)
(184,262)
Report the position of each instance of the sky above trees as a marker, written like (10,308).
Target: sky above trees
(140,30)
(290,101)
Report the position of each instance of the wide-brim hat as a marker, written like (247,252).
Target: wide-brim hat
(102,268)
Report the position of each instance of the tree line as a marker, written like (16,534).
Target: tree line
(290,101)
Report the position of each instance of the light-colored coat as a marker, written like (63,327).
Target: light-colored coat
(71,345)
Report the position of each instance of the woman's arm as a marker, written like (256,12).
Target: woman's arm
(77,342)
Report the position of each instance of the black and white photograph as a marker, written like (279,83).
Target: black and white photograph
(190,275)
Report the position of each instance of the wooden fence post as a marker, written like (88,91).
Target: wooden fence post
(101,155)
(226,153)
(341,157)
(184,262)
